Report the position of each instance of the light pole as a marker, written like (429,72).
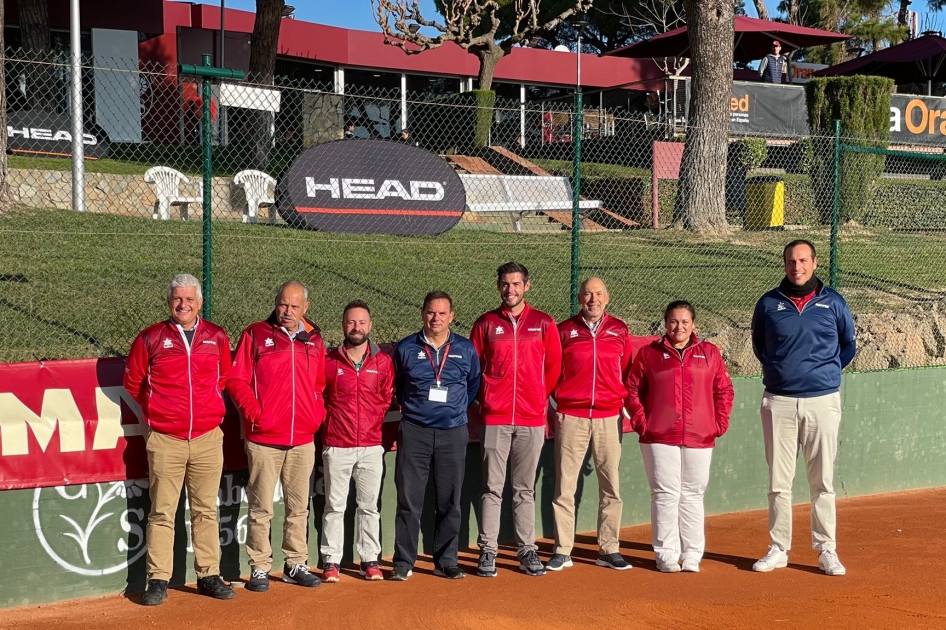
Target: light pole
(580,24)
(222,64)
(78,146)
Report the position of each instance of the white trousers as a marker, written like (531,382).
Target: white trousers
(812,424)
(340,465)
(678,478)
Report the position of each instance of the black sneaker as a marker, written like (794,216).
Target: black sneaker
(213,586)
(613,561)
(299,574)
(530,564)
(486,567)
(259,581)
(401,573)
(157,592)
(451,573)
(558,561)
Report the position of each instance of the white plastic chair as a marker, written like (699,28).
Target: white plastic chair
(259,190)
(167,188)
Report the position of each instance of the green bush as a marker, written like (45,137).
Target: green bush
(862,104)
(485,101)
(746,154)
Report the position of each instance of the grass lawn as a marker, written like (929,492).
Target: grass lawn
(74,285)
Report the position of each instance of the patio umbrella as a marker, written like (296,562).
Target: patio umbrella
(914,61)
(752,40)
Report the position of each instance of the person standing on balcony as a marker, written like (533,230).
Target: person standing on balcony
(773,66)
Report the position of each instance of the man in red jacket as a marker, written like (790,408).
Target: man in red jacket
(359,381)
(176,370)
(596,354)
(521,358)
(276,382)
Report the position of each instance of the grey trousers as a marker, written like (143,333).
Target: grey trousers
(520,447)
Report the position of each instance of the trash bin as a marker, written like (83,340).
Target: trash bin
(765,203)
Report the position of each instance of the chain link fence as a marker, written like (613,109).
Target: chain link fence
(288,201)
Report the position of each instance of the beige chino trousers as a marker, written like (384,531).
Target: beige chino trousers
(171,464)
(812,424)
(572,438)
(293,467)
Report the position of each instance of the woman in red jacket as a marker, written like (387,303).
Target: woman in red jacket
(679,399)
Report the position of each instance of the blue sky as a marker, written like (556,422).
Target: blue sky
(357,13)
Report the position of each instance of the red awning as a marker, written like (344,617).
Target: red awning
(916,61)
(752,40)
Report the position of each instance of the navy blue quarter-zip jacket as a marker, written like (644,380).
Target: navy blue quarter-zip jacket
(803,351)
(414,377)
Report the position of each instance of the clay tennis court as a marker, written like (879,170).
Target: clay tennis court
(891,544)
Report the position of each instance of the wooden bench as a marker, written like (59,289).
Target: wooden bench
(516,195)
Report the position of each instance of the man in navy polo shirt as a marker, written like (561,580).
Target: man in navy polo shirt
(803,334)
(437,375)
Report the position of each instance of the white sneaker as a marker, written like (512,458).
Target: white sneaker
(774,558)
(667,564)
(829,563)
(691,565)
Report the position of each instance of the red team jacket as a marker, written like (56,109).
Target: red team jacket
(179,388)
(521,365)
(680,402)
(356,401)
(594,368)
(277,383)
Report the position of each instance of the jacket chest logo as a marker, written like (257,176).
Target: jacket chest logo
(269,343)
(611,332)
(210,341)
(666,356)
(781,306)
(822,305)
(499,330)
(168,342)
(340,371)
(534,329)
(573,334)
(421,355)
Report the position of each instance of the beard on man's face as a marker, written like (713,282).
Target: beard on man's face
(356,338)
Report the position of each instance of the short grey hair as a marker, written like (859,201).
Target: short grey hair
(293,284)
(185,280)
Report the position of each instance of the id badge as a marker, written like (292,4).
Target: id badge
(438,394)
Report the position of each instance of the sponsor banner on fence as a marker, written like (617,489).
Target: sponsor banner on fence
(777,110)
(766,109)
(371,187)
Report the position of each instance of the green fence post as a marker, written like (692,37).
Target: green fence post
(206,141)
(207,72)
(834,206)
(576,200)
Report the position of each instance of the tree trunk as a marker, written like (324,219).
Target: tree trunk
(263,44)
(701,193)
(761,9)
(793,12)
(489,55)
(4,184)
(902,14)
(37,45)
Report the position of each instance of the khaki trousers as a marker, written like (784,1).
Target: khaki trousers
(521,448)
(293,467)
(572,437)
(172,463)
(813,424)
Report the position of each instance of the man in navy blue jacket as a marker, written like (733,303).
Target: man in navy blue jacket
(803,334)
(437,375)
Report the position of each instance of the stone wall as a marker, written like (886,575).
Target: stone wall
(126,195)
(884,341)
